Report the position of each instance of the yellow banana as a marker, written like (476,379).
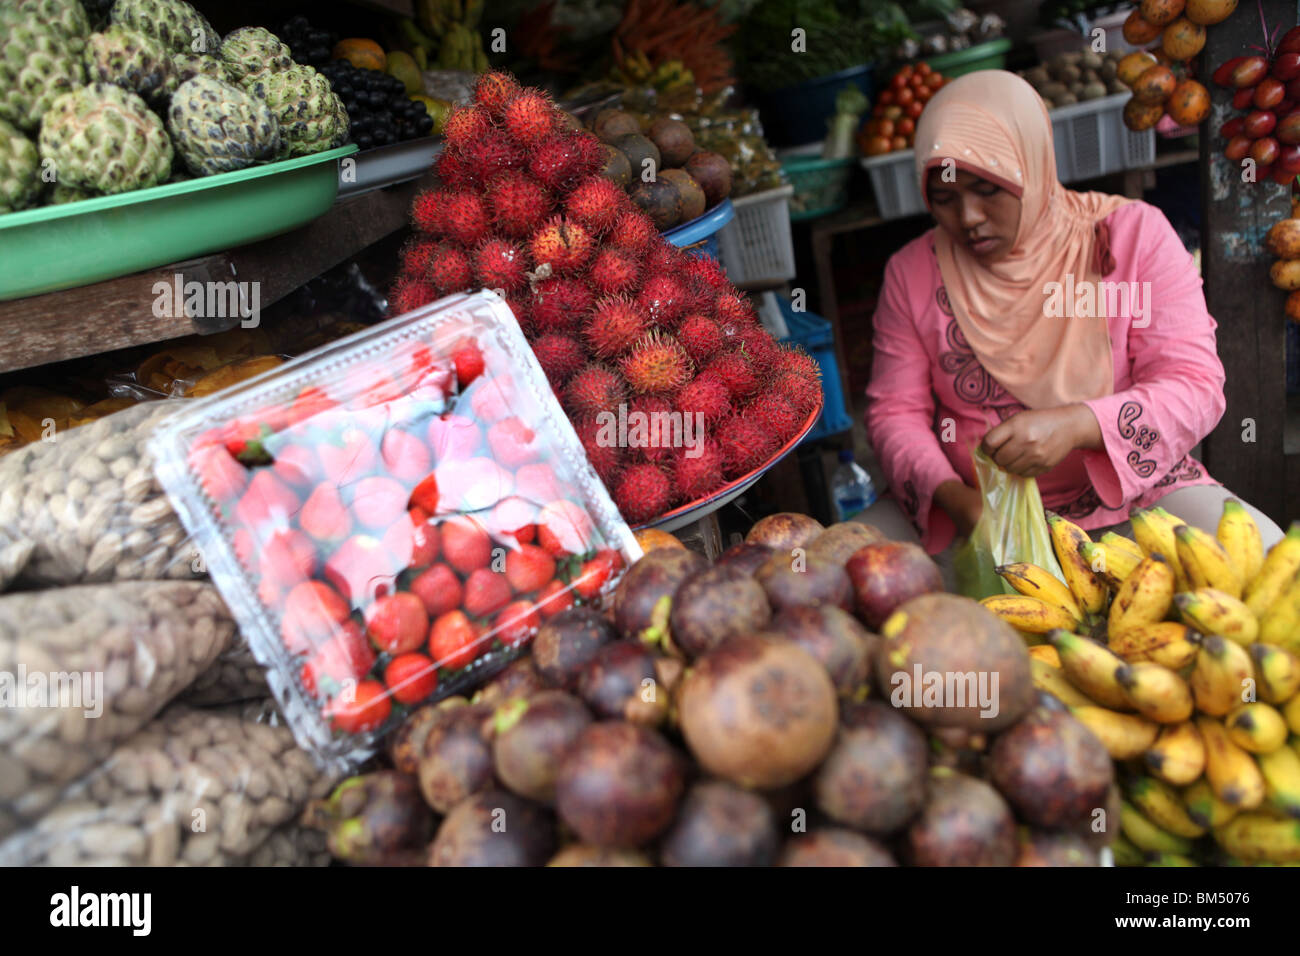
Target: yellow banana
(1124,736)
(1168,859)
(1280,624)
(1029,614)
(1239,536)
(1233,774)
(1178,754)
(1155,692)
(1091,668)
(1154,530)
(1291,711)
(1033,581)
(1281,770)
(1167,643)
(1257,837)
(1052,680)
(1256,727)
(1047,654)
(1144,597)
(1222,676)
(1088,588)
(1277,672)
(1162,805)
(1276,574)
(1146,835)
(1205,562)
(1111,563)
(1117,542)
(1125,853)
(1205,808)
(1213,612)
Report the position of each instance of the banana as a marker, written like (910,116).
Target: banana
(1213,612)
(1125,853)
(1167,643)
(1233,774)
(1156,692)
(1291,711)
(1117,542)
(1205,562)
(1222,677)
(1146,835)
(1256,727)
(1052,680)
(1124,736)
(1154,530)
(1088,589)
(1178,754)
(1144,597)
(1281,770)
(1047,654)
(1280,624)
(1033,581)
(1205,808)
(1029,614)
(1276,574)
(1111,563)
(1091,668)
(1239,536)
(1256,837)
(1168,859)
(1162,805)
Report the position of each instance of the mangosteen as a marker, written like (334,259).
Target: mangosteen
(457,760)
(372,817)
(660,200)
(834,847)
(803,580)
(674,140)
(610,124)
(720,824)
(713,173)
(406,744)
(1039,848)
(566,642)
(642,155)
(840,541)
(644,596)
(747,556)
(518,679)
(886,574)
(1052,769)
(494,828)
(583,854)
(689,193)
(532,737)
(965,822)
(616,169)
(874,777)
(835,638)
(785,531)
(712,605)
(620,682)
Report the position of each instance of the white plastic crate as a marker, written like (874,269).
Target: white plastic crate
(1091,140)
(756,246)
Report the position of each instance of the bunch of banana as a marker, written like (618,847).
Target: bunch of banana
(636,69)
(448,30)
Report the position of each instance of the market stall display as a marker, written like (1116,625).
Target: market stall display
(1267,89)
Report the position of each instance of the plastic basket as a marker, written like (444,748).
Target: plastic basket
(816,335)
(820,185)
(797,114)
(893,180)
(757,246)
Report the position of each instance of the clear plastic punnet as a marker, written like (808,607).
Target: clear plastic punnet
(391,518)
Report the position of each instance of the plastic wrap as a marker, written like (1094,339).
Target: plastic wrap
(233,677)
(390,517)
(83,668)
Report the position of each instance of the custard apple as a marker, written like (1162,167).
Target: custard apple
(62,194)
(311,116)
(186,66)
(250,51)
(36,66)
(176,24)
(218,127)
(131,60)
(105,138)
(65,17)
(20,169)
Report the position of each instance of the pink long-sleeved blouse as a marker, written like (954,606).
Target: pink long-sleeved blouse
(931,402)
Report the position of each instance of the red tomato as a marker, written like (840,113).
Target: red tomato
(364,710)
(885,128)
(1287,66)
(905,96)
(1249,71)
(893,112)
(906,127)
(411,677)
(924,69)
(923,95)
(885,98)
(1269,93)
(918,79)
(1288,159)
(1223,75)
(914,109)
(899,81)
(1259,123)
(897,143)
(1264,151)
(1232,128)
(1243,99)
(1237,148)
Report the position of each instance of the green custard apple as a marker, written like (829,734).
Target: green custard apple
(20,169)
(65,17)
(131,60)
(177,25)
(312,118)
(251,51)
(61,194)
(105,138)
(186,66)
(217,127)
(37,65)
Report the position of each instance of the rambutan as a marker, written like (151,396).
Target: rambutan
(662,298)
(560,357)
(417,255)
(594,389)
(529,117)
(656,363)
(452,170)
(697,297)
(596,203)
(519,206)
(642,492)
(700,336)
(733,307)
(663,258)
(660,437)
(589,155)
(606,456)
(804,392)
(450,269)
(554,161)
(777,414)
(614,270)
(499,264)
(495,152)
(409,293)
(706,394)
(736,372)
(746,444)
(709,271)
(759,346)
(464,217)
(427,209)
(494,90)
(561,304)
(563,243)
(695,477)
(521,305)
(465,126)
(792,358)
(633,230)
(615,326)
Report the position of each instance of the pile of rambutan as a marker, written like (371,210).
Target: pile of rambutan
(617,316)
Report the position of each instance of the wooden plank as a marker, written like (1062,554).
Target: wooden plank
(121,312)
(1249,310)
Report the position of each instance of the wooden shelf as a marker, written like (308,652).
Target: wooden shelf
(119,313)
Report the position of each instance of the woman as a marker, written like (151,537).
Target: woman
(1065,333)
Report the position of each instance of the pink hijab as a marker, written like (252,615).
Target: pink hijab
(994,125)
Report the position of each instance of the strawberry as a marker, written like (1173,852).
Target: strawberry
(378,501)
(313,611)
(537,483)
(323,515)
(245,546)
(362,569)
(516,624)
(288,559)
(454,438)
(492,399)
(594,574)
(241,436)
(267,503)
(486,592)
(554,598)
(454,641)
(311,401)
(425,494)
(468,361)
(564,528)
(363,710)
(405,457)
(465,545)
(413,539)
(397,623)
(370,386)
(439,589)
(513,443)
(338,663)
(348,456)
(411,678)
(297,466)
(529,568)
(473,485)
(219,474)
(513,521)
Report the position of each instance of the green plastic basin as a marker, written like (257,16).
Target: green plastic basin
(59,247)
(990,55)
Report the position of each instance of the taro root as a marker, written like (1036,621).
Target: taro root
(372,816)
(583,854)
(965,822)
(689,193)
(644,596)
(533,736)
(835,847)
(610,124)
(785,531)
(747,556)
(659,199)
(518,679)
(616,169)
(1055,849)
(713,173)
(494,828)
(1052,769)
(804,580)
(834,638)
(712,605)
(619,785)
(874,777)
(949,662)
(758,711)
(841,541)
(457,760)
(720,824)
(566,642)
(888,573)
(621,682)
(674,139)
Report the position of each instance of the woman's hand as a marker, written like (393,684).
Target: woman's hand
(962,503)
(1037,440)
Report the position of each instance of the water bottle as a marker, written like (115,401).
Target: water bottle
(851,487)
